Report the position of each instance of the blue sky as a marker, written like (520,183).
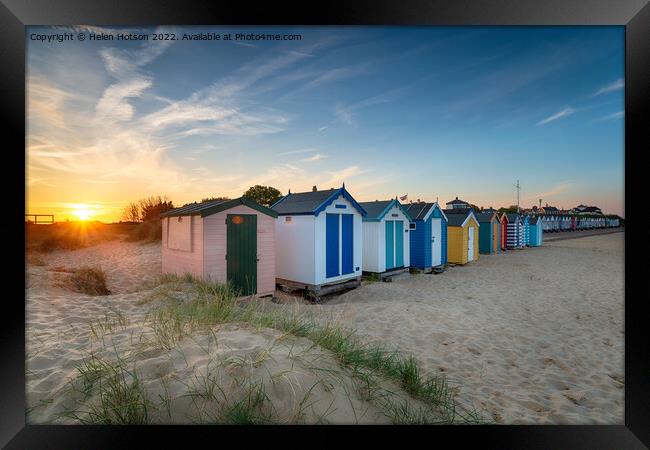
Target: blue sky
(425,111)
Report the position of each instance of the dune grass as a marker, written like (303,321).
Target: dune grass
(109,389)
(214,304)
(71,235)
(146,232)
(87,280)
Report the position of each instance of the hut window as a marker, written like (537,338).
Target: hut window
(180,219)
(287,219)
(412,226)
(179,235)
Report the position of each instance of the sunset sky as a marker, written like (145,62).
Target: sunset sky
(424,111)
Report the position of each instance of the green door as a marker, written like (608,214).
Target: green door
(241,252)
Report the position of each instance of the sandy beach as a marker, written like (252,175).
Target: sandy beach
(533,336)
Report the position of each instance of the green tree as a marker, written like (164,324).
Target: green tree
(509,210)
(211,199)
(264,195)
(152,207)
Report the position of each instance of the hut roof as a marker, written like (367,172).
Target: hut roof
(486,217)
(379,208)
(458,220)
(312,202)
(513,217)
(456,201)
(208,208)
(420,210)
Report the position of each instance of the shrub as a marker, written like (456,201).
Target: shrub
(146,232)
(88,280)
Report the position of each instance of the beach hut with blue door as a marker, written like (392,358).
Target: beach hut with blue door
(385,237)
(427,235)
(535,231)
(515,237)
(488,236)
(319,240)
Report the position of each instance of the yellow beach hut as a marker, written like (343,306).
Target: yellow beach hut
(462,237)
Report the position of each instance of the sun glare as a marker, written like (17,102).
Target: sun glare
(83,211)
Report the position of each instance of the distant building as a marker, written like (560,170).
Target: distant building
(587,209)
(458,204)
(546,209)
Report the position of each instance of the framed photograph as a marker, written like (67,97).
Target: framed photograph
(252,216)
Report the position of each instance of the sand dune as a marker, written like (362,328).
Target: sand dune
(530,336)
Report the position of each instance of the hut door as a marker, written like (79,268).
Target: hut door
(339,244)
(495,237)
(390,244)
(332,245)
(470,244)
(241,252)
(347,243)
(399,243)
(436,242)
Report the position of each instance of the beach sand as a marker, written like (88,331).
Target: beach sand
(208,377)
(533,336)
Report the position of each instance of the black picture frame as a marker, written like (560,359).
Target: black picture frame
(634,15)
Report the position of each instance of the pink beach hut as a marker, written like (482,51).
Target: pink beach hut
(229,241)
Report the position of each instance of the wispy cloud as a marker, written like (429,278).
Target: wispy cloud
(321,129)
(346,113)
(297,152)
(564,113)
(611,87)
(616,115)
(556,190)
(316,157)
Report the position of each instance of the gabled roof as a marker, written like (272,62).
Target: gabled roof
(422,210)
(458,210)
(375,211)
(208,208)
(502,215)
(513,217)
(313,202)
(486,217)
(459,220)
(456,201)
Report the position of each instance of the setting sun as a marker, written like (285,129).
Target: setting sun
(83,211)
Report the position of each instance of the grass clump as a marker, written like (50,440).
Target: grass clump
(34,259)
(371,277)
(88,280)
(146,232)
(119,396)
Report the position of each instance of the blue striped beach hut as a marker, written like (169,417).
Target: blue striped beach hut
(515,237)
(525,223)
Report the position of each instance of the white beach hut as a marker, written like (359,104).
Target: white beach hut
(386,241)
(319,240)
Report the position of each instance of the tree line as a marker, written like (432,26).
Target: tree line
(150,208)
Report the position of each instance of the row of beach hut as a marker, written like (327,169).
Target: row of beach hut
(564,222)
(324,240)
